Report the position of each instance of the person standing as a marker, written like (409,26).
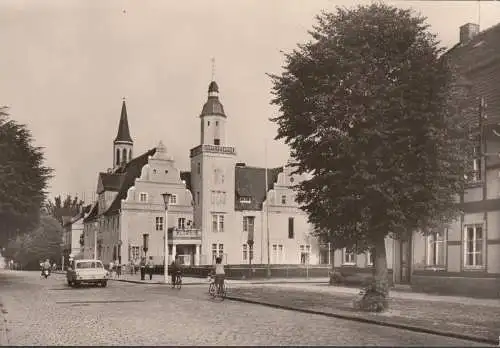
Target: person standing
(150,267)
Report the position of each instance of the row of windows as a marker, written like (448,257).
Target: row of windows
(182,223)
(473,249)
(248,224)
(123,156)
(143,197)
(278,253)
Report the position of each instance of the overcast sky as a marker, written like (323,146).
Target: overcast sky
(65,66)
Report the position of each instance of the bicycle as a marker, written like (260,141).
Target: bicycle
(214,292)
(178,281)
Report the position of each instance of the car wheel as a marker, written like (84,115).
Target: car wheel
(104,284)
(70,283)
(76,284)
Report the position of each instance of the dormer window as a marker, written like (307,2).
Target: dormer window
(143,197)
(245,199)
(173,199)
(216,123)
(208,123)
(283,199)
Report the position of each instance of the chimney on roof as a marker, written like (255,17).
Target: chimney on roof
(468,32)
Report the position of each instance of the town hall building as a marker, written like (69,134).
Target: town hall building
(214,209)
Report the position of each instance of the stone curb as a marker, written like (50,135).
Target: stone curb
(153,283)
(371,321)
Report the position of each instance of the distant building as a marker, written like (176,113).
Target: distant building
(72,233)
(214,210)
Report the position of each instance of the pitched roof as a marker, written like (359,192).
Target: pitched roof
(93,213)
(110,182)
(130,171)
(479,62)
(123,130)
(250,182)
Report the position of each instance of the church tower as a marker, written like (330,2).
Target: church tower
(123,144)
(213,164)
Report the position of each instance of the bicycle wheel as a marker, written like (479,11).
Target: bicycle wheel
(212,290)
(179,282)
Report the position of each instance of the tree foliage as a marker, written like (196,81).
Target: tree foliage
(23,178)
(58,208)
(42,242)
(369,108)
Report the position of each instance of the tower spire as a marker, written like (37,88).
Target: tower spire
(123,134)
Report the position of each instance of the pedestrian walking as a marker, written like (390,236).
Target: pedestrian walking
(150,266)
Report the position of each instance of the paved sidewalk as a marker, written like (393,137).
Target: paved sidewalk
(460,317)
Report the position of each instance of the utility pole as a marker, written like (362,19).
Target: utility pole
(267,215)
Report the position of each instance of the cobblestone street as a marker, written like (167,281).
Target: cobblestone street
(48,312)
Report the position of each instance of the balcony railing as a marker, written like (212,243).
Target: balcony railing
(213,149)
(184,233)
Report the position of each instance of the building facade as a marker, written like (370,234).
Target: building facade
(214,209)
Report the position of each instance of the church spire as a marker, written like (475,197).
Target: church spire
(123,134)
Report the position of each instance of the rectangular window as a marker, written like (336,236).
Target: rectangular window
(473,246)
(436,250)
(216,141)
(181,223)
(245,252)
(248,224)
(198,198)
(476,164)
(348,257)
(221,250)
(245,200)
(214,252)
(217,223)
(143,197)
(198,168)
(159,223)
(173,199)
(283,199)
(291,233)
(136,252)
(305,251)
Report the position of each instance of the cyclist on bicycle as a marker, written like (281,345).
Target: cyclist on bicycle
(176,271)
(219,274)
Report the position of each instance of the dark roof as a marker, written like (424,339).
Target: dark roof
(93,213)
(130,171)
(186,176)
(123,130)
(213,106)
(110,182)
(250,182)
(479,62)
(213,87)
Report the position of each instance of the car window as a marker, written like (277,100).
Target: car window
(86,264)
(98,265)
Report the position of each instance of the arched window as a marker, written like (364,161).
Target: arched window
(117,157)
(124,155)
(129,154)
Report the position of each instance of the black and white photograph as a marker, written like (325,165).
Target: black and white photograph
(250,173)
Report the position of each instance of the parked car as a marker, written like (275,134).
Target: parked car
(87,272)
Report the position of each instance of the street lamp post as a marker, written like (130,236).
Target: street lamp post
(250,256)
(166,200)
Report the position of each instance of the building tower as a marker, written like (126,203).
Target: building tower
(123,144)
(212,177)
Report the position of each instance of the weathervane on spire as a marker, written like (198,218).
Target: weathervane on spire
(213,68)
(123,98)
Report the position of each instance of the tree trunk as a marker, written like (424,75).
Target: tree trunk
(380,271)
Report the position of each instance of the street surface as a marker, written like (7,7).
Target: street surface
(48,312)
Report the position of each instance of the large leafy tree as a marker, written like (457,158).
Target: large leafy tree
(23,178)
(370,108)
(44,241)
(58,208)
